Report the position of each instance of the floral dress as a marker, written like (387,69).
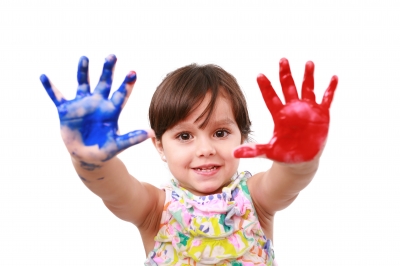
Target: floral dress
(218,229)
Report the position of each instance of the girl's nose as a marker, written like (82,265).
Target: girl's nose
(205,148)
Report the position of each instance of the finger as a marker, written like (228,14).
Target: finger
(288,86)
(272,100)
(54,94)
(330,91)
(105,82)
(252,150)
(307,89)
(133,138)
(83,77)
(121,96)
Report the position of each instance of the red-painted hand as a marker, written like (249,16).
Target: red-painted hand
(301,125)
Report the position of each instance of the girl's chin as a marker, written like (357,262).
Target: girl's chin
(209,189)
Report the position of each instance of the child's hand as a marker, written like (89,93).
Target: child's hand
(301,126)
(89,123)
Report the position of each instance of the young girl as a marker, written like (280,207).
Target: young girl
(209,214)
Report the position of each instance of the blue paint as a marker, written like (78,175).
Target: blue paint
(89,166)
(104,85)
(83,77)
(84,179)
(47,85)
(93,115)
(137,136)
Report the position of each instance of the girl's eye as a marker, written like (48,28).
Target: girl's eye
(184,136)
(221,133)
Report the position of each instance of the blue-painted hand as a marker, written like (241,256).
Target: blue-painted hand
(89,123)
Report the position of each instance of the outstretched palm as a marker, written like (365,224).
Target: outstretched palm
(301,126)
(89,123)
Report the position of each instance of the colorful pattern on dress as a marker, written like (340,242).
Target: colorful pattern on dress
(219,229)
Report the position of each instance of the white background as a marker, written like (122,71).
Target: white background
(348,215)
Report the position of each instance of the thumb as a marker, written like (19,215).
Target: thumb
(133,138)
(250,150)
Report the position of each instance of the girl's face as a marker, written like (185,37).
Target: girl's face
(201,159)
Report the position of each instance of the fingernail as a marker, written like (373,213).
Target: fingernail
(131,77)
(84,61)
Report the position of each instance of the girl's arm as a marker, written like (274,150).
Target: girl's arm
(301,129)
(277,188)
(89,129)
(126,197)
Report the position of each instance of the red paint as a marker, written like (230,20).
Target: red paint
(301,125)
(131,77)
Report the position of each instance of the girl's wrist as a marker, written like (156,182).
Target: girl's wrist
(86,165)
(304,168)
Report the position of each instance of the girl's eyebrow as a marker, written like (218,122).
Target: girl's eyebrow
(226,121)
(181,126)
(187,125)
(222,122)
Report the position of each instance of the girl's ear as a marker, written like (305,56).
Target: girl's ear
(158,145)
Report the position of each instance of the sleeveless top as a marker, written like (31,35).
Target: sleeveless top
(218,229)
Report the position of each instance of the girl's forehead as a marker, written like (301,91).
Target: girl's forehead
(222,114)
(222,106)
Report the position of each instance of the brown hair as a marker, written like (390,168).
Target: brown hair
(183,90)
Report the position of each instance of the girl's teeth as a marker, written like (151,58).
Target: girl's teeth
(206,170)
